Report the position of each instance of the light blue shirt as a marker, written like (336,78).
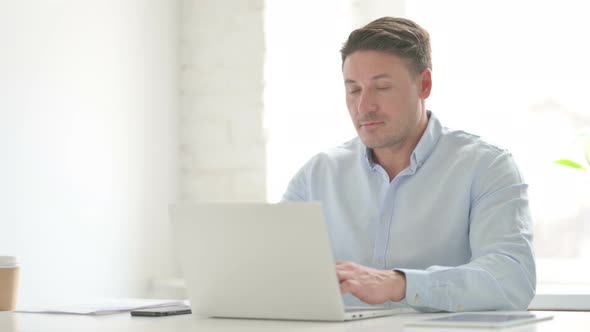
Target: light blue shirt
(456,221)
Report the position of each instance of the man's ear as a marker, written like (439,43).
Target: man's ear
(425,83)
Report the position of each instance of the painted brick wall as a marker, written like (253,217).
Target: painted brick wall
(222,146)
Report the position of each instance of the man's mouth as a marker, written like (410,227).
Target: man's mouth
(370,125)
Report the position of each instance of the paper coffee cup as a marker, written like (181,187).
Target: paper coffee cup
(8,282)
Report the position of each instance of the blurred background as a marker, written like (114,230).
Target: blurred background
(112,110)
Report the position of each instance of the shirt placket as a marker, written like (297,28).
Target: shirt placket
(384,223)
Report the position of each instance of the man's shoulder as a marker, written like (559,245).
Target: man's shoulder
(470,144)
(346,153)
(475,157)
(351,148)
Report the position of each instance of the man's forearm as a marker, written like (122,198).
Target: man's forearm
(488,283)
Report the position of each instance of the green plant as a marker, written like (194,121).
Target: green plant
(573,164)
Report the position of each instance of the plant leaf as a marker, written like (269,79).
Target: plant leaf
(570,163)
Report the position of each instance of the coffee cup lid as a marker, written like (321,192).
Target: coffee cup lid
(7,261)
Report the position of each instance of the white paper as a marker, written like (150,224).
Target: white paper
(103,307)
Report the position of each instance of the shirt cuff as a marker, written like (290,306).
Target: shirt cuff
(417,286)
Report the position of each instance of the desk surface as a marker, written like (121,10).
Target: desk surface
(21,322)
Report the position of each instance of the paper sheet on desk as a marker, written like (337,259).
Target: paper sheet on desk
(104,307)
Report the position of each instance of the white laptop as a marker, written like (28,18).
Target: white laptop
(269,261)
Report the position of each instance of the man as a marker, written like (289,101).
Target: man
(418,215)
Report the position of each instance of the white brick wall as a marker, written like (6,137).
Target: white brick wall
(222,146)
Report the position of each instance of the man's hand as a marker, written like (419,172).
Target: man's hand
(370,285)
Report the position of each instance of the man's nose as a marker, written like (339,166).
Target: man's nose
(367,103)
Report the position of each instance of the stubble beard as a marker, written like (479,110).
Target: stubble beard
(388,140)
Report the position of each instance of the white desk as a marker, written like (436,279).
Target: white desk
(561,297)
(21,322)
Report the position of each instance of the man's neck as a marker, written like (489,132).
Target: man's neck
(395,159)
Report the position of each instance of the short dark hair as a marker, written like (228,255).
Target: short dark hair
(394,35)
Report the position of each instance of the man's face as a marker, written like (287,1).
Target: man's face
(384,98)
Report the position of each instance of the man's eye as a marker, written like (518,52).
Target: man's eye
(383,87)
(353,92)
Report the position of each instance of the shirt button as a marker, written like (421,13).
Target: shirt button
(379,263)
(416,299)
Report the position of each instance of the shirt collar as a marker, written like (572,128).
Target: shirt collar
(368,156)
(422,150)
